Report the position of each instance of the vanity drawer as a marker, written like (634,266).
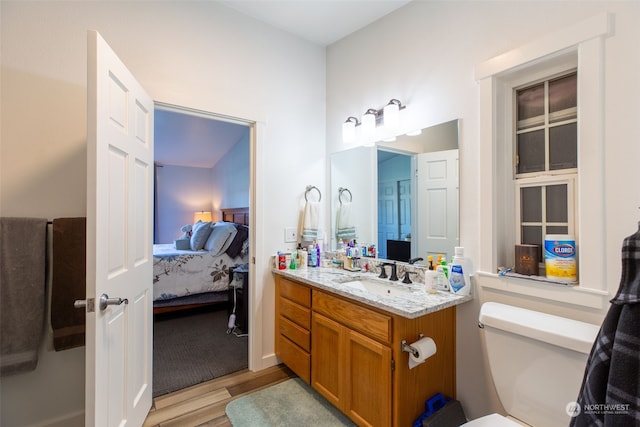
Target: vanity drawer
(295,333)
(296,313)
(361,319)
(298,360)
(295,292)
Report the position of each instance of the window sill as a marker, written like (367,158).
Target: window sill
(569,293)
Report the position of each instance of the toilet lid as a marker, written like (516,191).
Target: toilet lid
(492,420)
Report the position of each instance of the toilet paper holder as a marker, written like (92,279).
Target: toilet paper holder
(408,348)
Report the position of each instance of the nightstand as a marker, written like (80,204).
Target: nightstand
(183,244)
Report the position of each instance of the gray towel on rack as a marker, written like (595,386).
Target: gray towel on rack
(22,292)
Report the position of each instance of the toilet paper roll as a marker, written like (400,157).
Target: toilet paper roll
(426,348)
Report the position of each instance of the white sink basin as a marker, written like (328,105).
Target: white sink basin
(378,287)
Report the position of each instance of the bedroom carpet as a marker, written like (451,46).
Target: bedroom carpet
(291,403)
(190,348)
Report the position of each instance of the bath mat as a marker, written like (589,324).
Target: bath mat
(289,403)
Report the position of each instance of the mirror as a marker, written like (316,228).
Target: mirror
(406,215)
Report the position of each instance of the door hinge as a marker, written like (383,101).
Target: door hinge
(393,365)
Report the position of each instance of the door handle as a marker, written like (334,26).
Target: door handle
(105,301)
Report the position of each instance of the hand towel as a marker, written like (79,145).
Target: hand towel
(310,221)
(345,229)
(23,244)
(68,282)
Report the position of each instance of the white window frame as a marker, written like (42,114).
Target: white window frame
(580,46)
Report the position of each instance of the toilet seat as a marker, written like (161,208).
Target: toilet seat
(493,420)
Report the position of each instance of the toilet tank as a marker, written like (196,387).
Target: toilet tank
(537,361)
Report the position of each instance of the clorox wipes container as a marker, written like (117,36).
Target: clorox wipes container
(560,257)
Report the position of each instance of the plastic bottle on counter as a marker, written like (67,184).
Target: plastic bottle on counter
(444,268)
(303,256)
(460,272)
(318,257)
(313,256)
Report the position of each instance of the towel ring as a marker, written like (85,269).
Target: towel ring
(309,188)
(342,190)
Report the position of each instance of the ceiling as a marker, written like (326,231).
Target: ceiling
(322,22)
(319,21)
(183,139)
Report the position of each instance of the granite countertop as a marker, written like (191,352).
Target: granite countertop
(411,302)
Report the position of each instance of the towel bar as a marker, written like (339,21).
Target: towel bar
(342,190)
(309,188)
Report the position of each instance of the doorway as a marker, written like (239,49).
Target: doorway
(203,164)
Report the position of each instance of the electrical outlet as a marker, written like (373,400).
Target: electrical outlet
(290,235)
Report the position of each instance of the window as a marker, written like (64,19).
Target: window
(546,159)
(557,173)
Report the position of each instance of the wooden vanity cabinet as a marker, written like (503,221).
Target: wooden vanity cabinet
(351,370)
(354,358)
(293,325)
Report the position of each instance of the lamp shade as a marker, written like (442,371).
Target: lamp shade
(391,114)
(349,130)
(202,216)
(369,124)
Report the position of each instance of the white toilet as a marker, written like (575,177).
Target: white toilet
(537,362)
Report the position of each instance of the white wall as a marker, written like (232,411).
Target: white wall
(194,54)
(230,179)
(181,191)
(424,55)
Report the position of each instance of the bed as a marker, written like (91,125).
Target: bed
(184,279)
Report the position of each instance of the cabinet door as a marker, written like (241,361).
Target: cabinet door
(367,393)
(327,368)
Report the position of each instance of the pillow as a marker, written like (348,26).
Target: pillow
(222,234)
(236,245)
(200,234)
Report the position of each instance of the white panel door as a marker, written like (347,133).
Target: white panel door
(119,241)
(387,215)
(437,203)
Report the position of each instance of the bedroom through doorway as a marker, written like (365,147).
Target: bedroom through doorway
(201,247)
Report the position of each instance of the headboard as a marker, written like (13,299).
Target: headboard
(236,215)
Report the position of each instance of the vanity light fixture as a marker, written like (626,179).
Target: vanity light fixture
(386,118)
(349,129)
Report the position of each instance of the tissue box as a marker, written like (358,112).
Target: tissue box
(182,244)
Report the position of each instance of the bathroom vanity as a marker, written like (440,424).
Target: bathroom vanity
(342,333)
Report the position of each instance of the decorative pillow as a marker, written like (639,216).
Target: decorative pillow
(222,234)
(200,234)
(235,248)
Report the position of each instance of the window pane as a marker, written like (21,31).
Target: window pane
(563,95)
(557,229)
(557,203)
(563,142)
(531,204)
(532,235)
(530,151)
(530,102)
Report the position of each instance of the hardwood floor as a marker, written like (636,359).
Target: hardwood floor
(203,404)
